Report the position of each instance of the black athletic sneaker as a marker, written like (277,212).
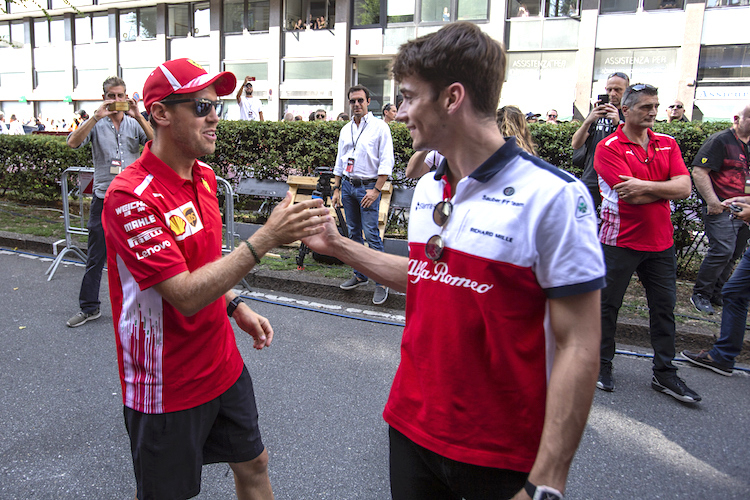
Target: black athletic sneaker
(702,304)
(703,360)
(606,382)
(674,386)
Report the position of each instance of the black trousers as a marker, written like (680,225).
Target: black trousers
(658,273)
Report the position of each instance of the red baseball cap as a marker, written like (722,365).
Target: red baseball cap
(183,76)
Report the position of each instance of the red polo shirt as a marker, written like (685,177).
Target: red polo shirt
(646,227)
(158,225)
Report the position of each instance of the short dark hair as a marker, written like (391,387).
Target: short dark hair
(357,88)
(459,52)
(633,93)
(113,81)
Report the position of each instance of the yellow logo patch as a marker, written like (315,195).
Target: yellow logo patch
(195,64)
(177,225)
(704,160)
(205,184)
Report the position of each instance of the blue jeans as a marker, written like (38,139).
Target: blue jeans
(658,273)
(727,239)
(736,295)
(358,219)
(88,298)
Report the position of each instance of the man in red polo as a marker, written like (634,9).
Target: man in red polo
(639,172)
(188,397)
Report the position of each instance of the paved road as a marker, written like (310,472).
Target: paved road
(321,389)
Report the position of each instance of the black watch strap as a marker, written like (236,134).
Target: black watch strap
(233,305)
(530,488)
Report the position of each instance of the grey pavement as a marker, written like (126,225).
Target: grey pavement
(321,388)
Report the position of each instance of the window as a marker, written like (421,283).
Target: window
(548,8)
(401,12)
(445,11)
(17,33)
(138,24)
(308,70)
(91,28)
(624,6)
(725,62)
(727,3)
(366,12)
(472,9)
(189,19)
(310,14)
(49,31)
(4,34)
(250,15)
(241,70)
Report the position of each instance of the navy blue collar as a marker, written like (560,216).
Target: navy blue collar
(491,165)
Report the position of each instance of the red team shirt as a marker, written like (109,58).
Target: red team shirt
(477,349)
(625,224)
(158,225)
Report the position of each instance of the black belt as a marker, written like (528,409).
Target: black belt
(361,182)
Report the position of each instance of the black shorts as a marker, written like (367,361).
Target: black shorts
(417,472)
(169,449)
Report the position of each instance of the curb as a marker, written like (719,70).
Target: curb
(629,331)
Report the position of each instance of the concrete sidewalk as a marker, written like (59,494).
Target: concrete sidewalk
(631,329)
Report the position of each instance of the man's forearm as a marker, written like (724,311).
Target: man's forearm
(704,185)
(581,135)
(79,135)
(387,269)
(145,125)
(576,323)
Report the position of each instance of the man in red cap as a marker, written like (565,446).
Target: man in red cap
(188,397)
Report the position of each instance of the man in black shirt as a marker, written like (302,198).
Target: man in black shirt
(602,121)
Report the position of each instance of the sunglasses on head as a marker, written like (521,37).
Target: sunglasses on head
(619,75)
(354,101)
(202,106)
(675,106)
(433,250)
(642,86)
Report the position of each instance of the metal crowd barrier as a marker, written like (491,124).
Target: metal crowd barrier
(85,181)
(87,176)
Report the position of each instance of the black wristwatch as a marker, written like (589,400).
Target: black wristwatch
(336,188)
(542,492)
(233,305)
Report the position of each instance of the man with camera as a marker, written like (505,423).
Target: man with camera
(363,164)
(601,122)
(116,131)
(250,107)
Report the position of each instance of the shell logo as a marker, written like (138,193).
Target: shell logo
(177,225)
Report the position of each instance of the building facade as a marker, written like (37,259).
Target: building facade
(304,54)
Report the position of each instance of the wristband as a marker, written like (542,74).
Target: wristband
(336,188)
(376,189)
(233,305)
(252,250)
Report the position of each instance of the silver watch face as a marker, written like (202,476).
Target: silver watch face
(546,493)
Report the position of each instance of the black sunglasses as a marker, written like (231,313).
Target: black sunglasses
(677,106)
(433,250)
(619,75)
(353,101)
(320,116)
(642,86)
(202,106)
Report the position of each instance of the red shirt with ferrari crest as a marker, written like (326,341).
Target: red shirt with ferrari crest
(158,225)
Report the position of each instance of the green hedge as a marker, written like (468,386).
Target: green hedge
(31,165)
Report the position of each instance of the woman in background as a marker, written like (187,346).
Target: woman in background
(512,122)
